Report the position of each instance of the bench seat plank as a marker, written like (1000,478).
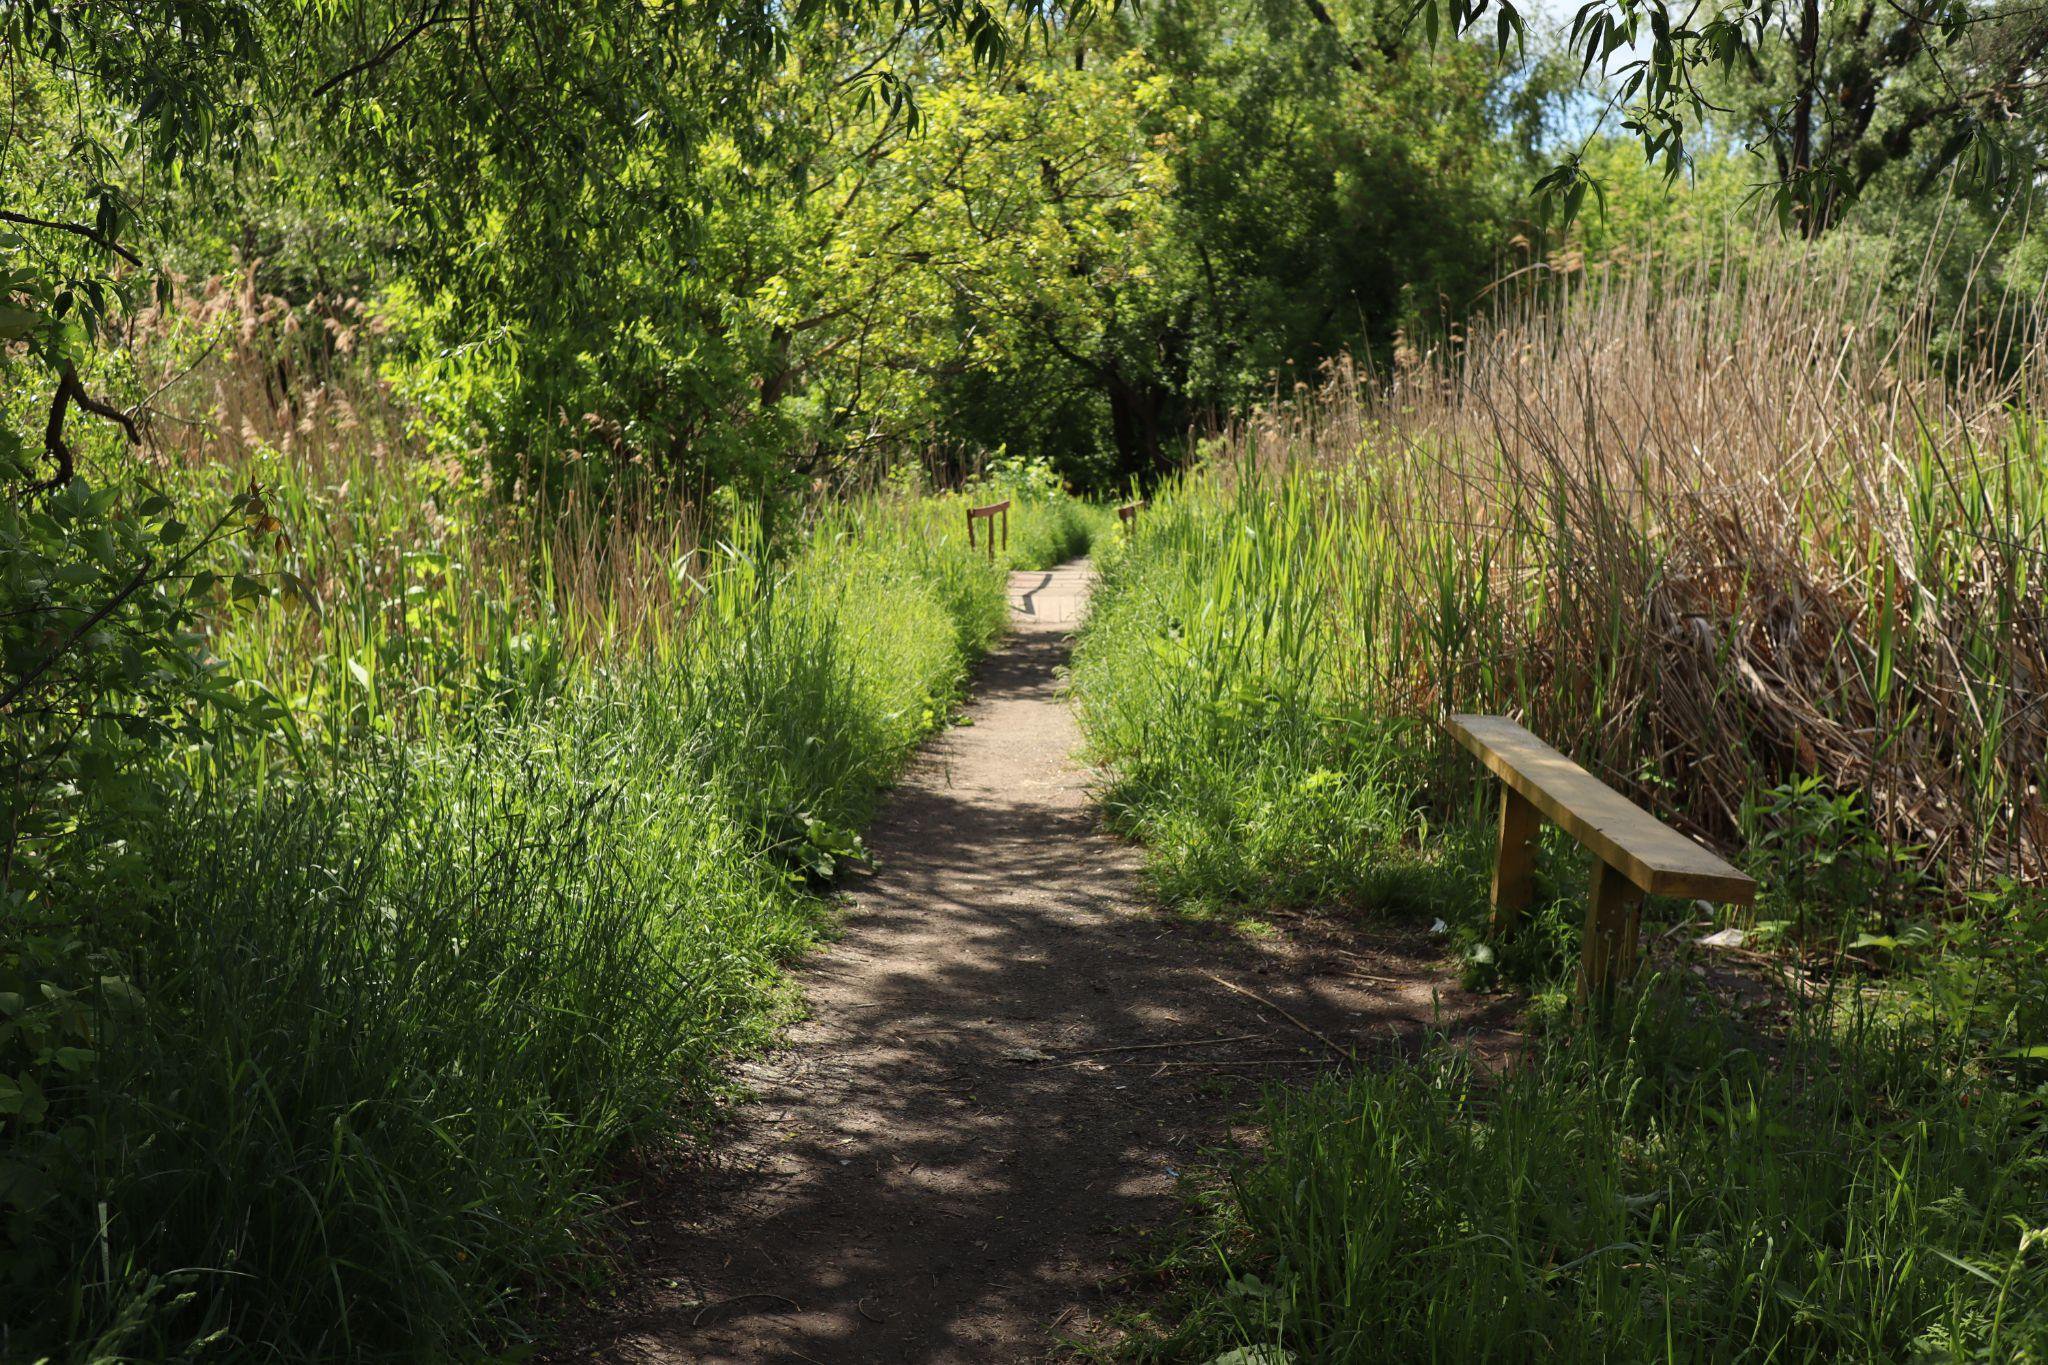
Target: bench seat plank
(1648,852)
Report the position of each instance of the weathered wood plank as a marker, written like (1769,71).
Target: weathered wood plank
(1514,859)
(990,512)
(1609,954)
(1652,855)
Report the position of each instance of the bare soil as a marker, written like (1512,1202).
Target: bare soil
(1009,1060)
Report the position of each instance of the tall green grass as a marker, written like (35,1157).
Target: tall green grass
(1675,1194)
(393,1014)
(331,1048)
(1740,542)
(1214,690)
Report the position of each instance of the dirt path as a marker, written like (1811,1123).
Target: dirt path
(948,1161)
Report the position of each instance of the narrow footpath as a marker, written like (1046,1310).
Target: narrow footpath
(1009,1059)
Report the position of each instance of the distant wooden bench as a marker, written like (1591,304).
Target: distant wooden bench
(989,514)
(1636,852)
(1128,513)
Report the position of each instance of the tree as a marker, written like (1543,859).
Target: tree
(1835,93)
(1162,216)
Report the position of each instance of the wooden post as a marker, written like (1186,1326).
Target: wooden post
(1610,948)
(1514,859)
(989,514)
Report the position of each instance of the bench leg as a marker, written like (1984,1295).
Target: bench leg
(1609,958)
(1514,859)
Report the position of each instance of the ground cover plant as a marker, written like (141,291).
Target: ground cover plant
(1785,605)
(324,1042)
(1677,1193)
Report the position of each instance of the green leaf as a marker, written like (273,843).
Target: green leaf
(16,323)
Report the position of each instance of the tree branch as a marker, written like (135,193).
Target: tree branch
(92,235)
(1328,21)
(382,55)
(70,391)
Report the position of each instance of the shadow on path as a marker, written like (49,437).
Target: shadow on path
(944,1164)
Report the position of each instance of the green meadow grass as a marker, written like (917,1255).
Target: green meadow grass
(390,984)
(1259,677)
(1676,1193)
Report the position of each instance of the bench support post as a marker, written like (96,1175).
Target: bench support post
(1514,859)
(1612,914)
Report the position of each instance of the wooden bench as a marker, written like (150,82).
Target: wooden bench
(1636,852)
(989,514)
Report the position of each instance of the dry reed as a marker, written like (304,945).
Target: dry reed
(1716,525)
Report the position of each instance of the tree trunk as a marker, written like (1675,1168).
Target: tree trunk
(1134,419)
(1807,192)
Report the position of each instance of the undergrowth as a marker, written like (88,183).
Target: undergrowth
(1206,682)
(1680,1192)
(321,1043)
(1560,523)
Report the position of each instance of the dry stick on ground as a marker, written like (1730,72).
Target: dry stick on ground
(1316,1034)
(697,1319)
(1253,1061)
(1148,1047)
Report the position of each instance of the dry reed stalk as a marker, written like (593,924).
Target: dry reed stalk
(1727,523)
(243,385)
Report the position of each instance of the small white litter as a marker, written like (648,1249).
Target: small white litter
(1730,937)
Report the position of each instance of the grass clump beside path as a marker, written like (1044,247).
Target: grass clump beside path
(1211,686)
(324,1050)
(1859,1171)
(1673,1195)
(1048,525)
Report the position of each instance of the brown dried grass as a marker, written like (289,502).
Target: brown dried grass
(243,386)
(1715,525)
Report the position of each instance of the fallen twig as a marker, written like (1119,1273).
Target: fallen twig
(697,1319)
(1149,1047)
(1316,1034)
